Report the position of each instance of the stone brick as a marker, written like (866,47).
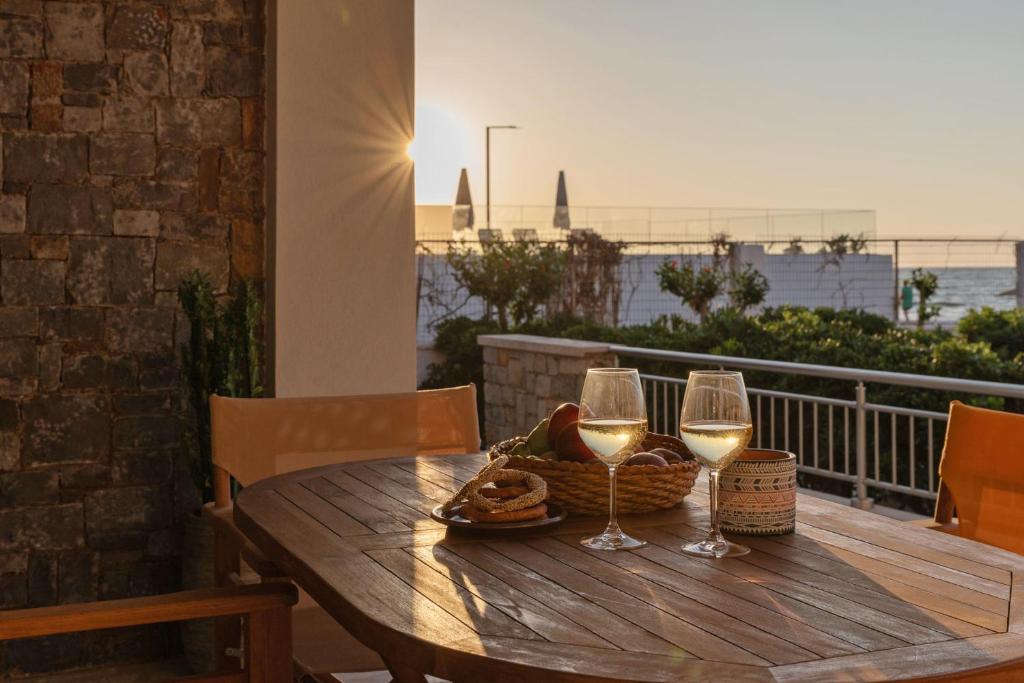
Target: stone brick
(177,164)
(128,114)
(18,359)
(53,527)
(8,415)
(159,371)
(46,117)
(32,282)
(140,193)
(13,586)
(74,31)
(85,476)
(142,467)
(135,330)
(198,121)
(96,371)
(208,188)
(55,209)
(70,323)
(147,431)
(147,73)
(138,27)
(10,454)
(65,428)
(22,8)
(50,357)
(142,404)
(32,487)
(42,578)
(82,99)
(49,247)
(122,154)
(252,122)
(192,227)
(246,248)
(95,78)
(233,73)
(78,570)
(20,38)
(12,213)
(82,119)
(18,322)
(111,270)
(13,88)
(134,508)
(219,10)
(47,80)
(43,158)
(241,181)
(187,68)
(15,246)
(175,261)
(222,33)
(137,223)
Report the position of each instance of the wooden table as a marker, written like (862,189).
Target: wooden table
(850,596)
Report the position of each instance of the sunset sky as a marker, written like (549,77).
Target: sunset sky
(914,108)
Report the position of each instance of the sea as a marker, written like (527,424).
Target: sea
(963,288)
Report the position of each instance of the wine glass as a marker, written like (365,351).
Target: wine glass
(612,420)
(715,425)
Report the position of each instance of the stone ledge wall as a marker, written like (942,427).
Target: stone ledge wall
(526,377)
(131,151)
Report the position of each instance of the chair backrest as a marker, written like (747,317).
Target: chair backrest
(982,469)
(254,438)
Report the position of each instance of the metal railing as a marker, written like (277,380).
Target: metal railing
(893,448)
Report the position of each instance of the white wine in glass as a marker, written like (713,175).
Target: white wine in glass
(715,425)
(613,420)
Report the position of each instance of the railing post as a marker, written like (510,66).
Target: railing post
(861,499)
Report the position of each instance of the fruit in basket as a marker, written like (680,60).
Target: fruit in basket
(521,449)
(670,456)
(560,418)
(570,446)
(538,441)
(548,455)
(646,458)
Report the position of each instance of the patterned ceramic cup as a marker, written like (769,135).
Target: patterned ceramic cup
(758,493)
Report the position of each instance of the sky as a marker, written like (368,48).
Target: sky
(912,108)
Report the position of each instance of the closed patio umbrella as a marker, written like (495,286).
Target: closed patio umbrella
(462,212)
(561,219)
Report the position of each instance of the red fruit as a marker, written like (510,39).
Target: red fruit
(645,458)
(671,457)
(570,446)
(560,419)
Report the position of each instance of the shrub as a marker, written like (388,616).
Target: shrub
(747,288)
(926,283)
(1003,330)
(696,287)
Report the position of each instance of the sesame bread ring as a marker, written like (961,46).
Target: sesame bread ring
(482,477)
(504,492)
(474,515)
(537,492)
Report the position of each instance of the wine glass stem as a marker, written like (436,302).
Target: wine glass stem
(714,534)
(613,522)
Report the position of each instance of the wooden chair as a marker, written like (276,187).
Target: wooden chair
(267,610)
(982,477)
(257,438)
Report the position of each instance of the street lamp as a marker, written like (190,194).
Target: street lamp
(488,170)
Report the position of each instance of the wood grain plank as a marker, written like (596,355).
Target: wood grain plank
(423,485)
(323,512)
(518,605)
(879,610)
(462,470)
(432,475)
(917,661)
(393,489)
(764,632)
(371,496)
(368,515)
(1016,616)
(606,623)
(465,606)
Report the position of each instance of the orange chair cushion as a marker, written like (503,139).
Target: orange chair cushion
(983,467)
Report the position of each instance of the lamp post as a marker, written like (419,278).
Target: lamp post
(488,168)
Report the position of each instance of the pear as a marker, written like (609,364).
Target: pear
(538,439)
(548,455)
(521,449)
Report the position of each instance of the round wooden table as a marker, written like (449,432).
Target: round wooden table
(850,596)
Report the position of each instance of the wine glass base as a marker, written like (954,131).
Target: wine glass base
(606,541)
(714,549)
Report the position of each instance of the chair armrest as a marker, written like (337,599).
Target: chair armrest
(949,528)
(222,520)
(195,604)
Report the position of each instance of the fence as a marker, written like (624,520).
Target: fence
(971,273)
(870,446)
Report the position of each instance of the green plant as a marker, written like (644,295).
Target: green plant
(223,356)
(696,287)
(747,288)
(926,283)
(513,278)
(1003,330)
(590,281)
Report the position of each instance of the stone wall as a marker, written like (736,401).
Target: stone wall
(526,377)
(132,152)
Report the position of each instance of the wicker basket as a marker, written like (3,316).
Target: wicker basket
(582,488)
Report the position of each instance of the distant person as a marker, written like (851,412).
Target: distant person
(907,301)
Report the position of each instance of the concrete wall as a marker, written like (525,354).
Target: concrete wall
(343,319)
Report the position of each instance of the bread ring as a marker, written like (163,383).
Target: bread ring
(476,482)
(504,492)
(538,491)
(473,514)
